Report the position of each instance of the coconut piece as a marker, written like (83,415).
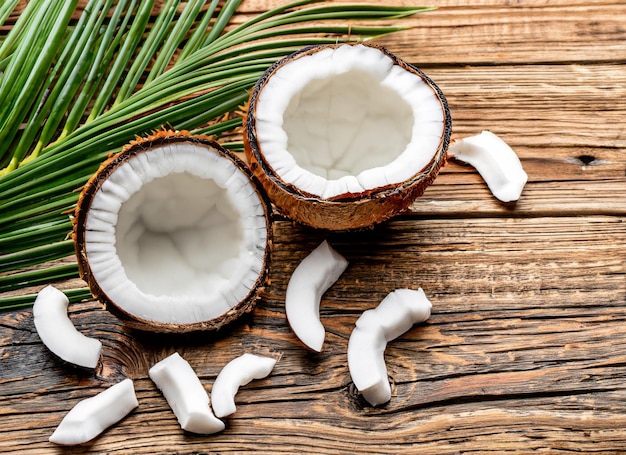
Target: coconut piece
(366,362)
(495,161)
(173,234)
(345,136)
(59,334)
(92,416)
(310,280)
(185,394)
(395,314)
(236,373)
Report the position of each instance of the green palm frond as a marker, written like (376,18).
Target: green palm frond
(75,88)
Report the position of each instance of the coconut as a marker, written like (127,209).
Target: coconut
(310,280)
(376,327)
(345,136)
(186,395)
(236,373)
(173,234)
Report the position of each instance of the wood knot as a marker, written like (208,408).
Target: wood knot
(586,160)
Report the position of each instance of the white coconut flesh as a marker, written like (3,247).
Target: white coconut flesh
(236,373)
(92,416)
(395,314)
(176,234)
(346,120)
(310,280)
(58,333)
(495,161)
(185,394)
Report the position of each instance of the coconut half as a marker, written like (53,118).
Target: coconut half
(345,136)
(173,234)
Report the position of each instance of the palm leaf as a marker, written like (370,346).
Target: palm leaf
(76,90)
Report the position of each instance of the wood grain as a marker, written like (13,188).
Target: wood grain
(525,347)
(516,347)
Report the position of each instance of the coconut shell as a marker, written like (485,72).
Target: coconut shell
(142,145)
(348,211)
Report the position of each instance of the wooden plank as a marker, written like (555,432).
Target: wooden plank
(499,32)
(524,349)
(256,6)
(467,196)
(564,121)
(541,33)
(574,106)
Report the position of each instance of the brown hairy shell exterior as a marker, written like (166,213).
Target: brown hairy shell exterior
(348,211)
(135,147)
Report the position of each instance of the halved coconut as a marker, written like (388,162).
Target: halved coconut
(173,234)
(345,136)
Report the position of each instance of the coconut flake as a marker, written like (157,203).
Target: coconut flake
(395,314)
(312,278)
(185,395)
(495,161)
(59,334)
(238,372)
(92,416)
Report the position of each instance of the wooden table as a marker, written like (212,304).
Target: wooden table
(526,346)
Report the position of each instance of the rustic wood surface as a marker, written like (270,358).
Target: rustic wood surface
(526,347)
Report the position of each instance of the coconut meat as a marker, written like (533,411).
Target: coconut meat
(495,161)
(310,280)
(59,334)
(185,394)
(92,416)
(346,120)
(236,373)
(395,314)
(176,234)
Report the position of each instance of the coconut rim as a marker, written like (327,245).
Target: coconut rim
(426,175)
(89,190)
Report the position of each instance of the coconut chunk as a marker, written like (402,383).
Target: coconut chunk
(310,280)
(173,234)
(185,394)
(495,161)
(395,314)
(92,416)
(236,373)
(330,112)
(367,366)
(57,332)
